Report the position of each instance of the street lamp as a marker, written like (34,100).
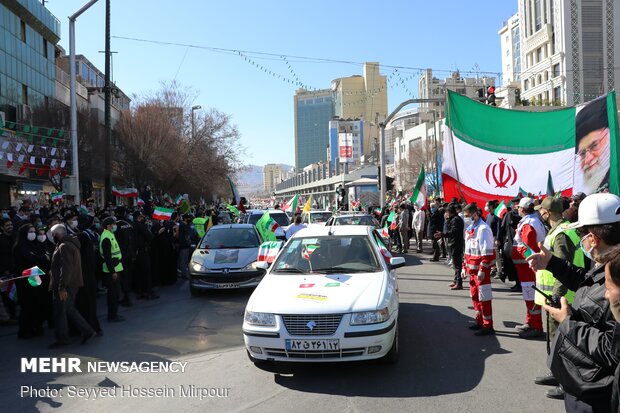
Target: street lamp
(72,97)
(197,107)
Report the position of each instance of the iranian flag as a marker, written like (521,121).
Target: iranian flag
(266,227)
(269,250)
(291,205)
(179,199)
(140,202)
(125,192)
(307,251)
(418,196)
(501,210)
(491,153)
(57,197)
(162,214)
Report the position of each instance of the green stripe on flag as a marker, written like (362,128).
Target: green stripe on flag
(612,119)
(510,131)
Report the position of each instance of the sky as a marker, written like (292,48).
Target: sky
(445,35)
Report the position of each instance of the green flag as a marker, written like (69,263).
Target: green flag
(418,195)
(234,210)
(391,217)
(266,227)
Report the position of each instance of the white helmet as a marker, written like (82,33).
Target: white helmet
(598,209)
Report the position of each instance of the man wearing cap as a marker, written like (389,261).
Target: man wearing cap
(580,358)
(530,232)
(112,266)
(564,244)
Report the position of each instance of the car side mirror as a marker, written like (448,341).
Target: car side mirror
(264,265)
(397,262)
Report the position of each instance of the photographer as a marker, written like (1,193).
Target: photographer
(581,358)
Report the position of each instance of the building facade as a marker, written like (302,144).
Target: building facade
(272,176)
(510,44)
(342,135)
(363,97)
(313,111)
(568,50)
(430,87)
(28,37)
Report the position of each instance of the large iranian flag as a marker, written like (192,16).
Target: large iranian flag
(418,195)
(490,153)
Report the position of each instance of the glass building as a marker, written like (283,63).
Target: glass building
(28,35)
(313,111)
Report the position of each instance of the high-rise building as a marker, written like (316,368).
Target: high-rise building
(510,44)
(365,98)
(272,175)
(568,50)
(313,111)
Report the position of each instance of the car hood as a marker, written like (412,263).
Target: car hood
(225,258)
(317,293)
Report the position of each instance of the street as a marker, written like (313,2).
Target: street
(443,366)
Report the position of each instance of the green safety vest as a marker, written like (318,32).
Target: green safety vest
(544,278)
(116,251)
(199,225)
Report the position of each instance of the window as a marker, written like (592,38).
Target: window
(557,94)
(24,94)
(539,55)
(556,70)
(537,16)
(22,31)
(45,48)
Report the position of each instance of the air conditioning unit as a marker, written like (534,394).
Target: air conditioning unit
(24,114)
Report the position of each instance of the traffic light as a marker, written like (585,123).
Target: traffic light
(491,96)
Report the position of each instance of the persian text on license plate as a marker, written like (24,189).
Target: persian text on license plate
(227,285)
(313,345)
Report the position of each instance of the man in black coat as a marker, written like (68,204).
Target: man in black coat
(143,238)
(435,225)
(124,235)
(455,243)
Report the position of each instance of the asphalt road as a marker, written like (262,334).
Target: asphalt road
(443,367)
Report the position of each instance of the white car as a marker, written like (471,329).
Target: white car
(330,295)
(315,218)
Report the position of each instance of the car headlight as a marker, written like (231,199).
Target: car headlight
(250,267)
(198,267)
(370,317)
(260,319)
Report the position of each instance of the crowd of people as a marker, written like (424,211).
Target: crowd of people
(84,252)
(563,255)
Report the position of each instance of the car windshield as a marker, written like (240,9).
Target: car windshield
(329,254)
(318,217)
(356,220)
(227,238)
(280,217)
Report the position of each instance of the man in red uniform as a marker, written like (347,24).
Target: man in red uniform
(479,259)
(530,232)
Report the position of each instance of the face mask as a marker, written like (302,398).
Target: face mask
(433,210)
(32,236)
(114,228)
(97,225)
(130,218)
(73,224)
(41,238)
(5,216)
(468,222)
(587,253)
(191,226)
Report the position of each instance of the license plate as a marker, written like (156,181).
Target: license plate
(313,345)
(227,285)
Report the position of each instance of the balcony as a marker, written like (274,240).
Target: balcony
(539,38)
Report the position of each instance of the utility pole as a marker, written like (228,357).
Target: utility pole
(107,113)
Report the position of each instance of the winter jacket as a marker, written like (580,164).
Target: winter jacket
(582,358)
(66,266)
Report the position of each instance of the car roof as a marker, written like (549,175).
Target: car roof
(231,226)
(319,231)
(352,215)
(262,211)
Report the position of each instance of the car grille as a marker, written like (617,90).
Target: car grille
(230,278)
(327,354)
(326,324)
